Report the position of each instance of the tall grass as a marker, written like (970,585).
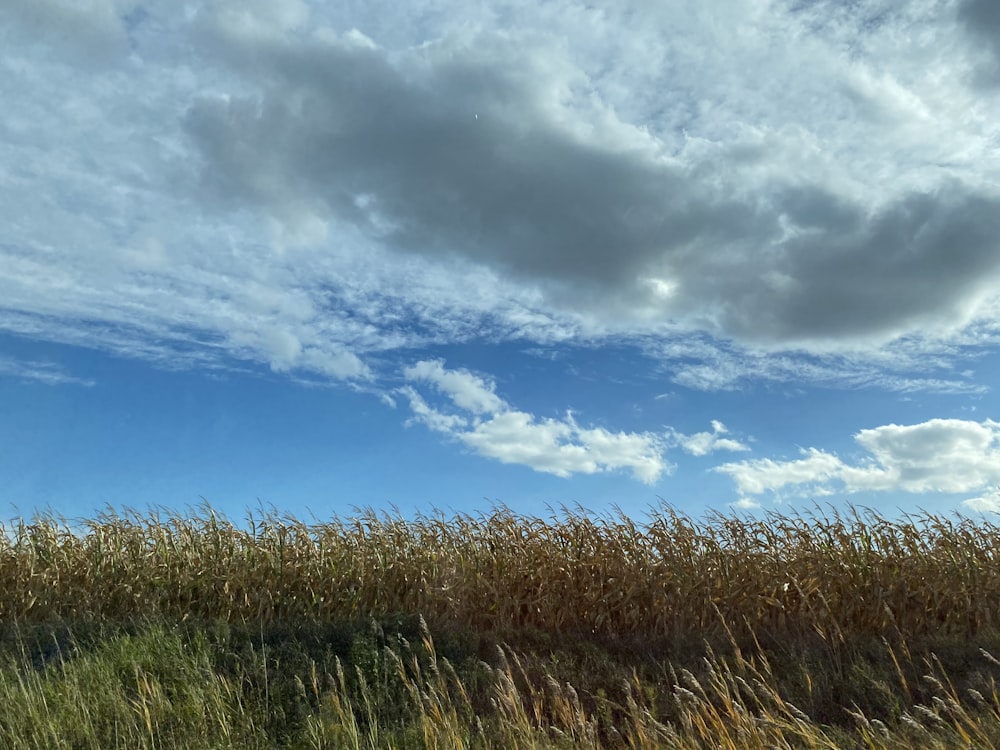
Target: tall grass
(159,689)
(569,631)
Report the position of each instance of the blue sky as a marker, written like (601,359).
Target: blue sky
(736,255)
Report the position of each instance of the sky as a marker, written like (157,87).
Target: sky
(725,255)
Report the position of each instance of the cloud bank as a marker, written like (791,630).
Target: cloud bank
(493,148)
(307,187)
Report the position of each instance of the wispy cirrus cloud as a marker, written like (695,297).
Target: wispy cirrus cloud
(49,373)
(905,366)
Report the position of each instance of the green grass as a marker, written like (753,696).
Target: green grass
(153,685)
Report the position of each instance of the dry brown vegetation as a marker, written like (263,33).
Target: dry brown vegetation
(818,631)
(610,576)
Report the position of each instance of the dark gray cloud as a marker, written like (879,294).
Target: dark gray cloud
(465,156)
(921,262)
(983,16)
(90,34)
(981,19)
(464,151)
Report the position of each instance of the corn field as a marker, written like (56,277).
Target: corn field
(816,616)
(833,575)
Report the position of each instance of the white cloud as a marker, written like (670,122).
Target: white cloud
(703,443)
(906,366)
(466,390)
(437,421)
(988,503)
(492,428)
(757,476)
(48,373)
(339,365)
(939,455)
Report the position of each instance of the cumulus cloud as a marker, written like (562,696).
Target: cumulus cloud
(704,443)
(988,503)
(939,455)
(492,428)
(466,390)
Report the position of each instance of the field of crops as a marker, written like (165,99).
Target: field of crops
(498,630)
